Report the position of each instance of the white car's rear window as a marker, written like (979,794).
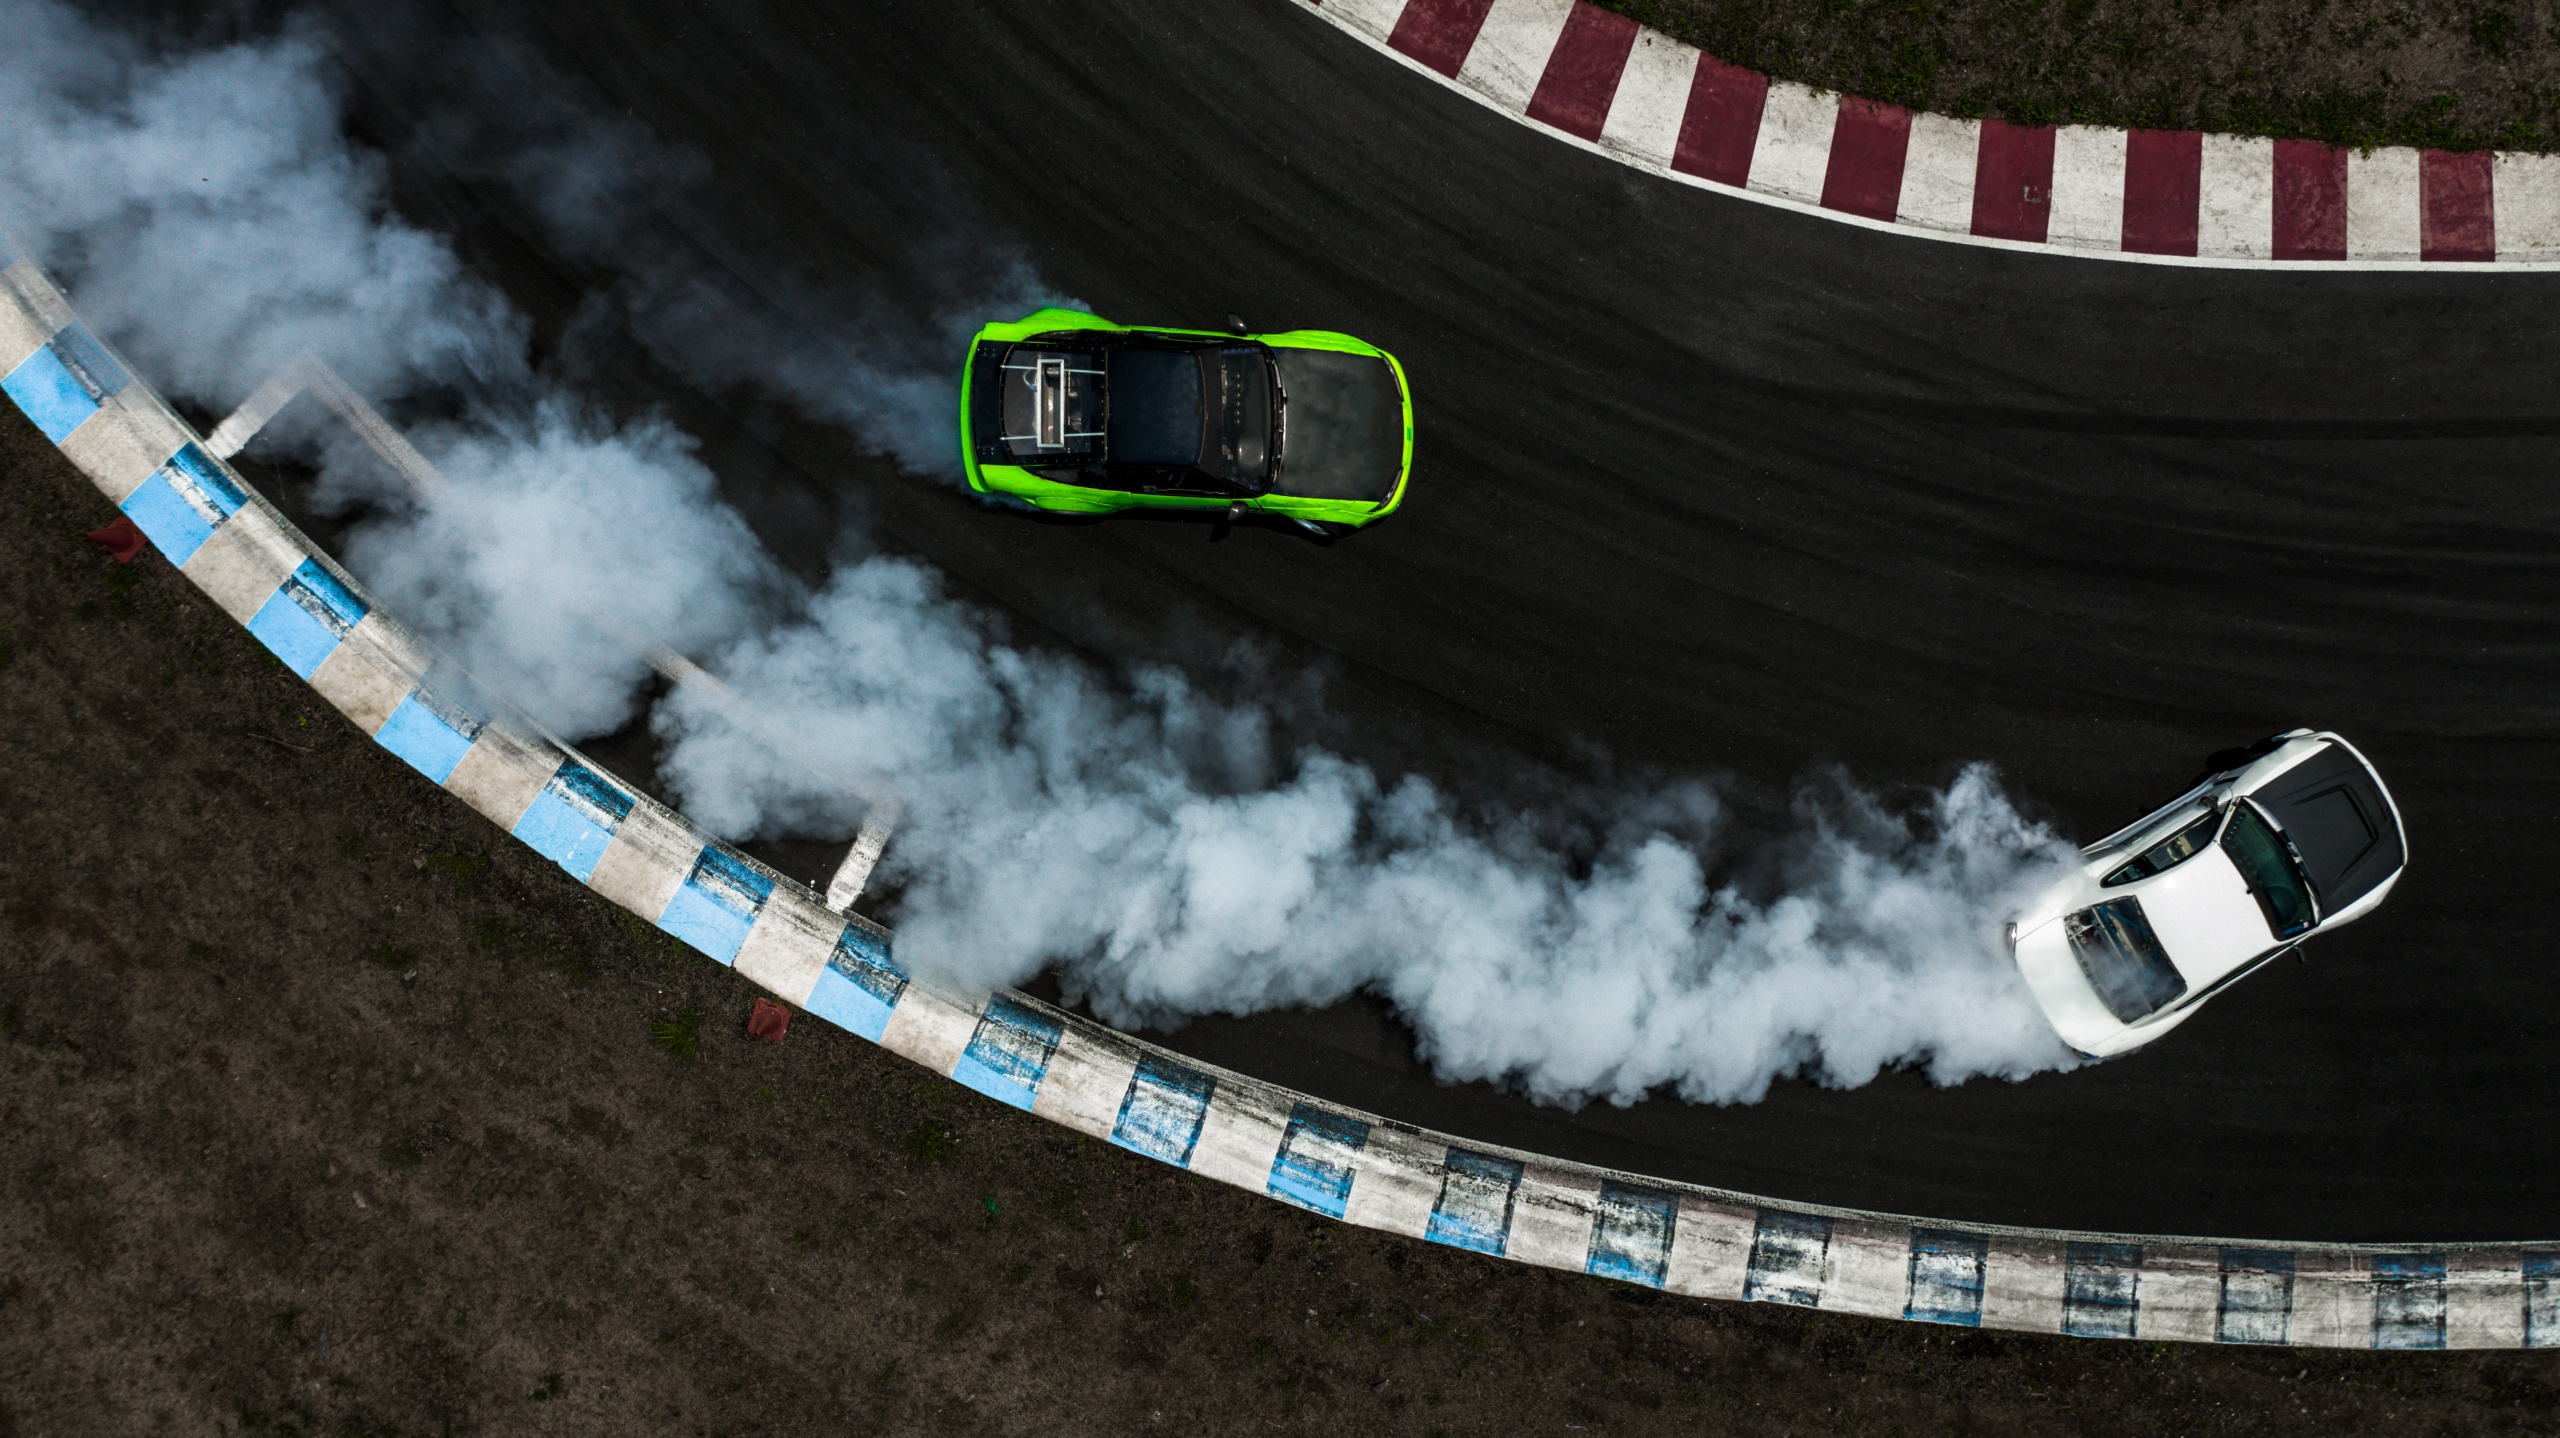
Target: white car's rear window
(2123,961)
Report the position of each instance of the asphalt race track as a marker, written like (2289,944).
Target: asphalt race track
(1706,486)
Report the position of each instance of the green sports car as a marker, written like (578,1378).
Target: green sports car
(1069,412)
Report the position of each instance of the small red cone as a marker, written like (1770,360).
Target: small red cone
(123,539)
(768,1020)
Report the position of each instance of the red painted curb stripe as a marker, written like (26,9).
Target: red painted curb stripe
(1722,123)
(2013,182)
(1439,33)
(2163,175)
(1869,141)
(2457,216)
(2311,201)
(1582,72)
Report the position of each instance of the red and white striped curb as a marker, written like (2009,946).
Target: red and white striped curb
(2176,196)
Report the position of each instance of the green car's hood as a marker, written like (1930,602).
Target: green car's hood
(1344,435)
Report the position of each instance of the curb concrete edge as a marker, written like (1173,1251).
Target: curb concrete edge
(1608,85)
(1342,1163)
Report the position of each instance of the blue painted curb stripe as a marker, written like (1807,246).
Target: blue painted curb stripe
(431,732)
(1946,1276)
(572,820)
(1631,1233)
(2101,1289)
(2257,1296)
(860,986)
(306,617)
(65,382)
(95,369)
(2408,1300)
(1318,1155)
(717,903)
(1009,1054)
(183,502)
(1790,1258)
(2541,1299)
(1474,1209)
(1164,1110)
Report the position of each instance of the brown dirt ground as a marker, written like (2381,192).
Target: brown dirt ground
(2350,72)
(326,1109)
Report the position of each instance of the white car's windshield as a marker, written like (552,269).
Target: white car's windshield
(2266,861)
(2123,961)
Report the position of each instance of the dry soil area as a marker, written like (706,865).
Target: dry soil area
(2350,72)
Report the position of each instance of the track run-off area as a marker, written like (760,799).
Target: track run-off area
(1710,487)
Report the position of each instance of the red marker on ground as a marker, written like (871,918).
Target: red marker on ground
(123,539)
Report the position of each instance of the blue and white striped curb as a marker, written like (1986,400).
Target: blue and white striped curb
(1708,1243)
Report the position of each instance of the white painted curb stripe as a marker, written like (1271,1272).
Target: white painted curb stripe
(1349,1165)
(2230,201)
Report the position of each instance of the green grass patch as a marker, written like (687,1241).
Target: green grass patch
(464,867)
(680,1036)
(928,1144)
(120,583)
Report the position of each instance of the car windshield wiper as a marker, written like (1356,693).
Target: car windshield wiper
(1279,416)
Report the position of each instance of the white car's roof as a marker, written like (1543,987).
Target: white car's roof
(2205,917)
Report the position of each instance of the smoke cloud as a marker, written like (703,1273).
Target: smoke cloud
(568,546)
(1159,848)
(218,223)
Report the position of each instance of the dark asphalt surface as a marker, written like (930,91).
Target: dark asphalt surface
(1706,486)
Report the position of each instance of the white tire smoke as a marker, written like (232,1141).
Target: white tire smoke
(1156,848)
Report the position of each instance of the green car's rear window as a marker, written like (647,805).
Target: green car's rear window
(1051,405)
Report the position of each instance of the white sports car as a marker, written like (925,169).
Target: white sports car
(2293,834)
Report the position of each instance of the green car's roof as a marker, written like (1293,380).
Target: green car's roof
(1339,415)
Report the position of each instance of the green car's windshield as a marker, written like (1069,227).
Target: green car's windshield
(2168,854)
(1238,378)
(2123,960)
(2263,858)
